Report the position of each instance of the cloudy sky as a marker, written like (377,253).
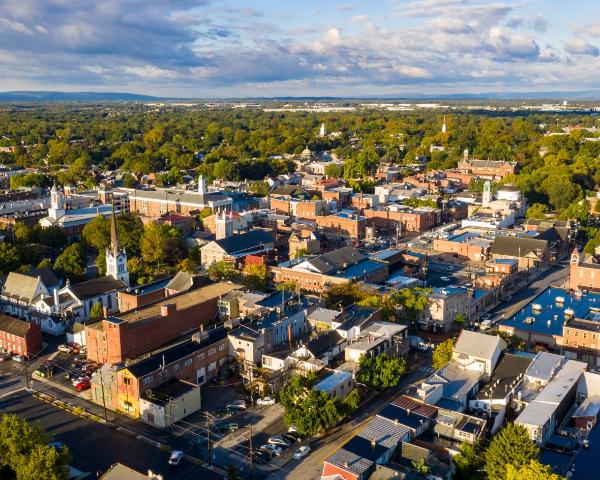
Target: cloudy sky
(210,48)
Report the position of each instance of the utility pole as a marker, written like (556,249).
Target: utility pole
(26,374)
(101,382)
(251,456)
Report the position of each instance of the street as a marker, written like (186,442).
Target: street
(95,447)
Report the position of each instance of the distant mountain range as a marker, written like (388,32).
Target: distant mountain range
(51,96)
(43,96)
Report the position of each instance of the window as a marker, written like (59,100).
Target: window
(147,380)
(200,356)
(187,362)
(222,347)
(212,351)
(177,367)
(127,381)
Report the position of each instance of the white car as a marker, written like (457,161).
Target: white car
(19,358)
(63,347)
(175,458)
(486,324)
(279,441)
(265,401)
(445,279)
(302,452)
(237,405)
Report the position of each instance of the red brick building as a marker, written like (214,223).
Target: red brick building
(584,272)
(20,337)
(131,334)
(415,220)
(490,169)
(343,224)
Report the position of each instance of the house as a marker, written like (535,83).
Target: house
(337,384)
(303,242)
(118,471)
(529,252)
(584,272)
(478,351)
(344,224)
(168,403)
(235,248)
(444,304)
(20,337)
(378,338)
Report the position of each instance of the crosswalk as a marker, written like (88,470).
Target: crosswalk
(426,370)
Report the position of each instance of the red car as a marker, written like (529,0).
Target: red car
(83,385)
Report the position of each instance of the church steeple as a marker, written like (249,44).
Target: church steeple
(116,258)
(444,125)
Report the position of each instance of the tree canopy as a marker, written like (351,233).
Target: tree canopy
(510,446)
(442,353)
(380,372)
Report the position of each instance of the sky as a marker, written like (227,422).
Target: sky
(230,48)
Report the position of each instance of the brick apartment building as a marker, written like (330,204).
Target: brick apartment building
(131,334)
(411,220)
(490,169)
(344,224)
(20,337)
(584,272)
(196,360)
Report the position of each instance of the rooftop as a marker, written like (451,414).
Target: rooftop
(172,389)
(476,344)
(507,371)
(332,380)
(181,301)
(545,314)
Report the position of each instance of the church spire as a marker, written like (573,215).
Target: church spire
(114,235)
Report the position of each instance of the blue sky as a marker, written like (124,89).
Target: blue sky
(215,48)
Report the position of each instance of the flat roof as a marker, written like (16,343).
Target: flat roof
(181,301)
(361,268)
(330,381)
(549,318)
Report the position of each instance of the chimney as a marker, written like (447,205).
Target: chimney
(56,297)
(373,443)
(167,309)
(105,312)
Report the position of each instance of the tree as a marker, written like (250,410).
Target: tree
(25,453)
(442,354)
(311,411)
(460,318)
(510,446)
(71,263)
(255,277)
(260,188)
(153,244)
(130,229)
(345,294)
(562,191)
(96,233)
(412,301)
(222,271)
(9,258)
(537,210)
(352,401)
(96,311)
(469,462)
(534,470)
(334,170)
(420,466)
(381,372)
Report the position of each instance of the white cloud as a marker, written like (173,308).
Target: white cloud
(578,46)
(150,71)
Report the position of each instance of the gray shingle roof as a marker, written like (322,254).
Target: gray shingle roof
(477,344)
(515,246)
(19,286)
(340,258)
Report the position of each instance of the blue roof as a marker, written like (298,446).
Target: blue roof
(276,299)
(330,381)
(393,413)
(550,318)
(151,287)
(463,237)
(448,290)
(506,261)
(415,254)
(348,214)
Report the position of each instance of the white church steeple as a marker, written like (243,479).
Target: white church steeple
(57,204)
(116,258)
(444,125)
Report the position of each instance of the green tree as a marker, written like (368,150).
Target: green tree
(420,466)
(222,271)
(96,311)
(9,258)
(442,354)
(537,210)
(130,229)
(412,301)
(96,233)
(469,462)
(25,453)
(534,470)
(260,188)
(460,318)
(71,263)
(510,446)
(381,372)
(345,294)
(352,401)
(562,191)
(334,170)
(311,411)
(153,244)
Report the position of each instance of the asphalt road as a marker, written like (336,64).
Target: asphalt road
(95,447)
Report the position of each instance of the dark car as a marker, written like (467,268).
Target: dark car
(261,457)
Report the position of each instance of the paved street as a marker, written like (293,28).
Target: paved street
(94,447)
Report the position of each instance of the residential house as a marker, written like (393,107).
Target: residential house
(20,337)
(235,248)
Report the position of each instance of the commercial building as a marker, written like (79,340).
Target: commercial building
(443,307)
(584,272)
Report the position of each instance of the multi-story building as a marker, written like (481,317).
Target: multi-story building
(349,224)
(408,219)
(467,245)
(128,335)
(584,272)
(443,307)
(489,169)
(304,242)
(20,337)
(236,248)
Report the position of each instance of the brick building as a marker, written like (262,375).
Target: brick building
(411,220)
(20,337)
(304,241)
(584,272)
(490,169)
(131,334)
(465,245)
(345,224)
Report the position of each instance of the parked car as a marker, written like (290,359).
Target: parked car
(291,437)
(231,426)
(445,279)
(83,385)
(302,452)
(45,371)
(223,412)
(265,401)
(237,405)
(175,458)
(487,316)
(63,347)
(279,441)
(272,449)
(20,358)
(261,457)
(292,429)
(57,445)
(422,346)
(486,324)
